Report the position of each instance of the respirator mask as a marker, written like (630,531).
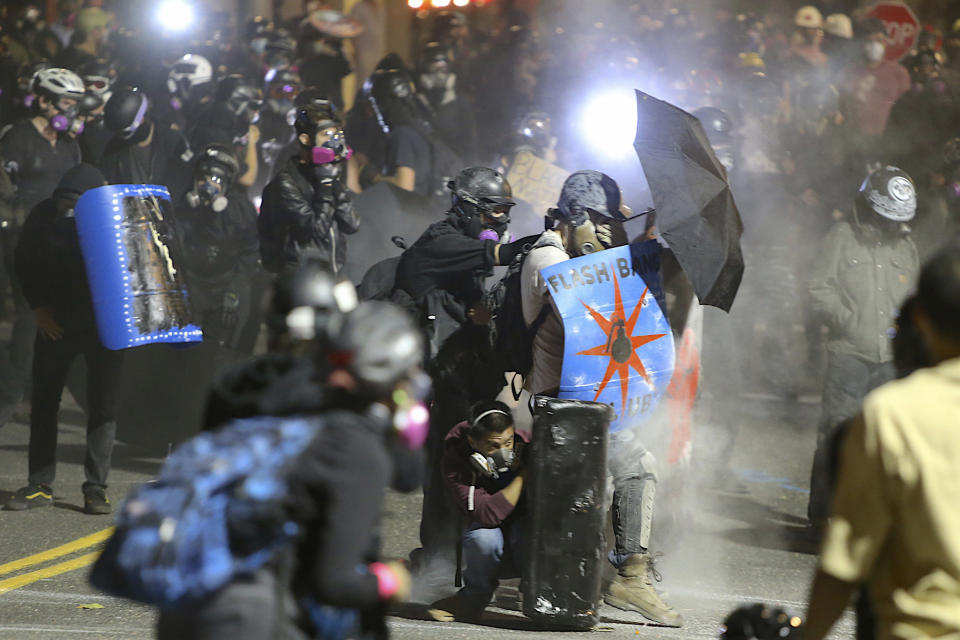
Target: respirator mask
(333,150)
(209,190)
(495,464)
(67,119)
(592,233)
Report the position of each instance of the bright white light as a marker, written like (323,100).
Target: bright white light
(608,123)
(175,15)
(414,4)
(461,3)
(441,3)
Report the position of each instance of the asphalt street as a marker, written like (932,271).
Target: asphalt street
(744,542)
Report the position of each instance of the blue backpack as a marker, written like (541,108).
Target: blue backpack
(216,512)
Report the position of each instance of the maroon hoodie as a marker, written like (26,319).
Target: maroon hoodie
(476,496)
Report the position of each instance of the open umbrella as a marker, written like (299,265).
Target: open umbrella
(696,214)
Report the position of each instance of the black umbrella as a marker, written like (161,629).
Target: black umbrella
(696,214)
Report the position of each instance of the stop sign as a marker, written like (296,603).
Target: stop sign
(902,26)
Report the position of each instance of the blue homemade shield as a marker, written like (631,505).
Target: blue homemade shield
(618,348)
(139,296)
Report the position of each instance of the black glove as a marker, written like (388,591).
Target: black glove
(510,251)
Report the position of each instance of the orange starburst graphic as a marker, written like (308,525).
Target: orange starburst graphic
(621,345)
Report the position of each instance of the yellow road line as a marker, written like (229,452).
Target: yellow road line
(48,572)
(56,552)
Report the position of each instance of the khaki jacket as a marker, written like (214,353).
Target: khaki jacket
(857,287)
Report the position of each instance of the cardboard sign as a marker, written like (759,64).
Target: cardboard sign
(618,347)
(901,24)
(536,181)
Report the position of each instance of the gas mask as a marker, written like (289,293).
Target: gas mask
(209,190)
(435,80)
(874,50)
(594,233)
(493,465)
(495,227)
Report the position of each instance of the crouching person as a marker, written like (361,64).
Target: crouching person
(483,470)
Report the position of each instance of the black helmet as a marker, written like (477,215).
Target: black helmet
(240,95)
(890,193)
(483,190)
(282,83)
(380,346)
(311,121)
(219,159)
(316,99)
(310,304)
(391,61)
(716,123)
(760,622)
(126,111)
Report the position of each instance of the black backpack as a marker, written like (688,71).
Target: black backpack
(511,340)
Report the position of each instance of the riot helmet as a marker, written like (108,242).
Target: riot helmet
(216,168)
(63,90)
(591,206)
(890,193)
(188,74)
(241,97)
(309,306)
(127,114)
(481,202)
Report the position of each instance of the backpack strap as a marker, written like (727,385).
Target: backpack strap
(545,311)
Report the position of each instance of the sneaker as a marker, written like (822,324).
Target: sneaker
(632,590)
(453,609)
(30,497)
(96,502)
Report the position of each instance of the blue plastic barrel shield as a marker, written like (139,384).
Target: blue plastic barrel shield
(618,348)
(138,294)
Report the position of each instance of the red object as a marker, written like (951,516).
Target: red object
(901,24)
(681,397)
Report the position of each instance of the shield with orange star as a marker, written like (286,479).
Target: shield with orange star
(618,348)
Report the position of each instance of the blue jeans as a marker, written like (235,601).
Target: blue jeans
(490,554)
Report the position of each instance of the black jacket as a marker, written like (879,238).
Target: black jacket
(443,274)
(50,269)
(165,161)
(300,219)
(219,250)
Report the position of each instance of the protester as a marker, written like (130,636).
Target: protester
(892,524)
(862,275)
(36,153)
(589,216)
(307,210)
(52,274)
(483,473)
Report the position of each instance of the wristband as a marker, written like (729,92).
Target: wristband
(387,583)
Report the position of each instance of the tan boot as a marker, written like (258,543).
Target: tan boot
(453,609)
(632,590)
